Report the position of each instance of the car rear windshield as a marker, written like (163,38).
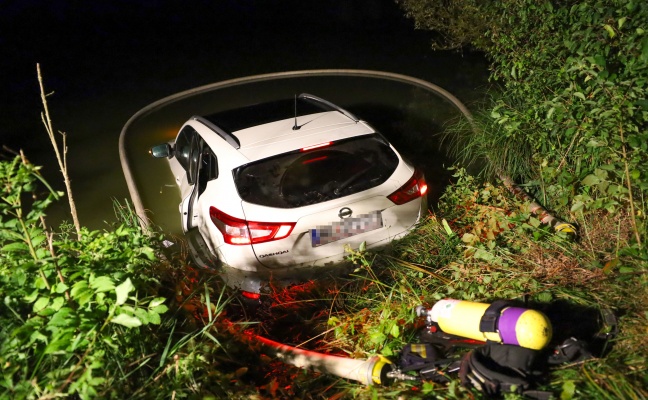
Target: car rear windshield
(301,178)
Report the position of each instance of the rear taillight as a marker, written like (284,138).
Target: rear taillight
(240,231)
(414,188)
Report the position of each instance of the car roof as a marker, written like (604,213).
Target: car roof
(280,137)
(267,129)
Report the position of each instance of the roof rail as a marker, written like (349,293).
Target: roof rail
(313,98)
(228,137)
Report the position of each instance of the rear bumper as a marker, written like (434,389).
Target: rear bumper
(245,272)
(255,277)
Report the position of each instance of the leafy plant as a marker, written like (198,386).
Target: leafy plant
(571,113)
(68,302)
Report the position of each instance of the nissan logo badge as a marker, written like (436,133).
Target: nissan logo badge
(345,212)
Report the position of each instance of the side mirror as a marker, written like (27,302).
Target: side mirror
(161,151)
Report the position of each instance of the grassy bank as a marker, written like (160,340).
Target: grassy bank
(112,314)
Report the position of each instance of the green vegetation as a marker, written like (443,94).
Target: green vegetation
(111,314)
(570,115)
(89,316)
(66,301)
(487,246)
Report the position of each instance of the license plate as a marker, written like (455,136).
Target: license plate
(346,228)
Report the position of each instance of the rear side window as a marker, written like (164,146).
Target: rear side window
(299,178)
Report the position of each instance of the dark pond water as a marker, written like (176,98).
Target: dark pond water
(105,60)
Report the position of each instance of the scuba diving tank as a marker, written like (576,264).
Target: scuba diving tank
(497,322)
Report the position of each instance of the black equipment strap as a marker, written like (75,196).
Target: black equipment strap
(488,322)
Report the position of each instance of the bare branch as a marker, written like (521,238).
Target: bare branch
(62,160)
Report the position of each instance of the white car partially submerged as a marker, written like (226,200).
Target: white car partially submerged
(277,190)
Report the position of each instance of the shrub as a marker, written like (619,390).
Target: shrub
(77,313)
(571,113)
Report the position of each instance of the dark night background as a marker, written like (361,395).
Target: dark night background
(105,60)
